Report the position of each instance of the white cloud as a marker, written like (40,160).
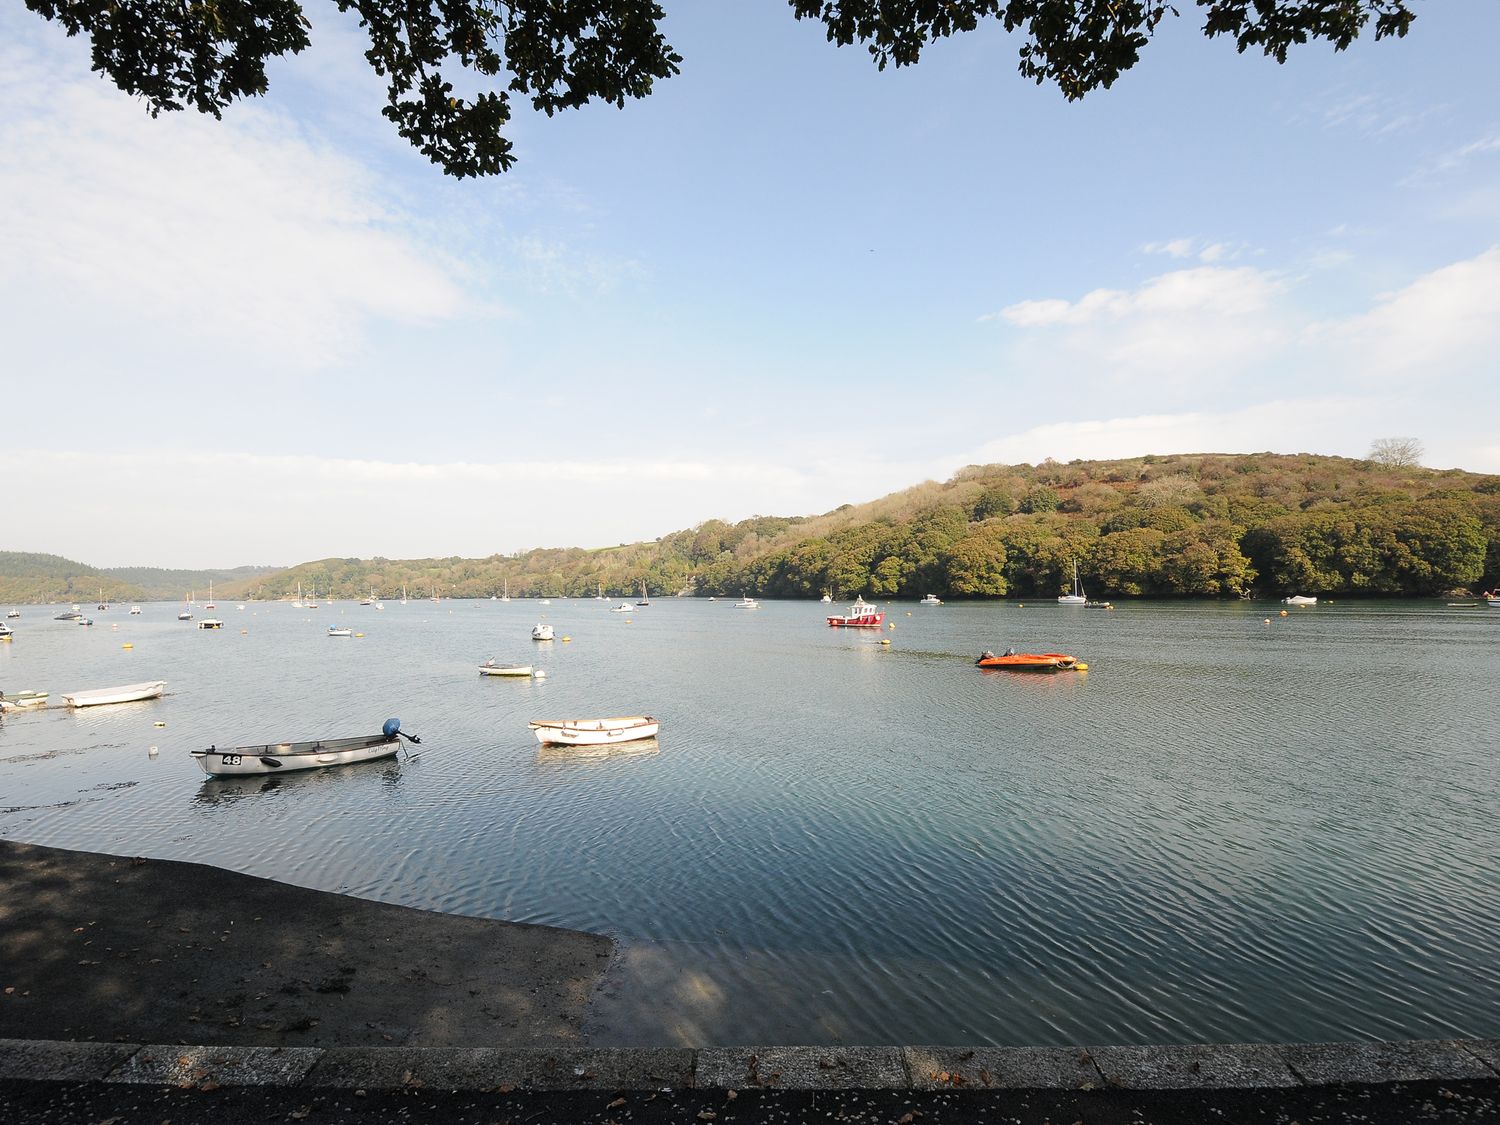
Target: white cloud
(1204,323)
(1444,324)
(247,234)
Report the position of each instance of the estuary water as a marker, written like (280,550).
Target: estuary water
(1236,826)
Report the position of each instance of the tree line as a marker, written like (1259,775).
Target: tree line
(1201,526)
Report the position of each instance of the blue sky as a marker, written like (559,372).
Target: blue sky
(783,282)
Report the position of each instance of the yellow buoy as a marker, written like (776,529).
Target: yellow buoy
(1081,666)
(566,639)
(1283,613)
(158,724)
(359,634)
(886,641)
(244,632)
(1022,605)
(908,613)
(892,625)
(127,644)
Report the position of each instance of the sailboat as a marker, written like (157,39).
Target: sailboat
(504,590)
(644,599)
(599,597)
(298,603)
(403,593)
(1077,596)
(210,603)
(102,603)
(187,613)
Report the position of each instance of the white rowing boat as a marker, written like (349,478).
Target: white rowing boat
(490,668)
(130,693)
(594,732)
(283,757)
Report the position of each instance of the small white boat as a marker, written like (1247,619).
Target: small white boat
(283,757)
(541,632)
(1077,597)
(210,623)
(22,700)
(14,613)
(747,602)
(490,668)
(85,621)
(594,732)
(135,611)
(130,693)
(827,597)
(6,632)
(623,607)
(340,631)
(1298,599)
(71,615)
(931,599)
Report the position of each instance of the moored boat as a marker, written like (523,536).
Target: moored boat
(1077,597)
(541,631)
(747,602)
(861,615)
(135,611)
(931,599)
(283,757)
(623,607)
(594,732)
(1298,599)
(210,623)
(1012,661)
(70,615)
(340,631)
(14,613)
(6,632)
(490,668)
(22,700)
(129,693)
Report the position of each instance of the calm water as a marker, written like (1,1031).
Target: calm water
(1225,831)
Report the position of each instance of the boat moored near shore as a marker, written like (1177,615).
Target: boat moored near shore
(594,732)
(861,615)
(283,757)
(1012,661)
(129,693)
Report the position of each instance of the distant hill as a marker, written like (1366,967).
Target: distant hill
(1188,525)
(30,579)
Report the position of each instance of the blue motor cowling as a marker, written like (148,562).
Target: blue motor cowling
(392,728)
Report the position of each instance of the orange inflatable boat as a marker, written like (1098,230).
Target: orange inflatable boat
(1012,661)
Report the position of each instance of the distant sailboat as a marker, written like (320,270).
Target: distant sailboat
(644,599)
(403,593)
(1077,596)
(210,603)
(298,603)
(504,590)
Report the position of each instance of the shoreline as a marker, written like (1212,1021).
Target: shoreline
(131,971)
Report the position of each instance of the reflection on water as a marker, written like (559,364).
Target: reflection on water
(556,753)
(1230,829)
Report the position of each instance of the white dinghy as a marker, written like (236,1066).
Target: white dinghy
(594,732)
(283,757)
(490,668)
(130,693)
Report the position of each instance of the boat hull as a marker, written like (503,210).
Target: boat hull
(1030,662)
(594,732)
(130,693)
(290,757)
(862,621)
(518,670)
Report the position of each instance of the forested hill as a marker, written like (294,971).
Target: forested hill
(28,579)
(1193,525)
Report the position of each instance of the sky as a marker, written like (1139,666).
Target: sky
(783,282)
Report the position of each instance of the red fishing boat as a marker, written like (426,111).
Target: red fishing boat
(861,615)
